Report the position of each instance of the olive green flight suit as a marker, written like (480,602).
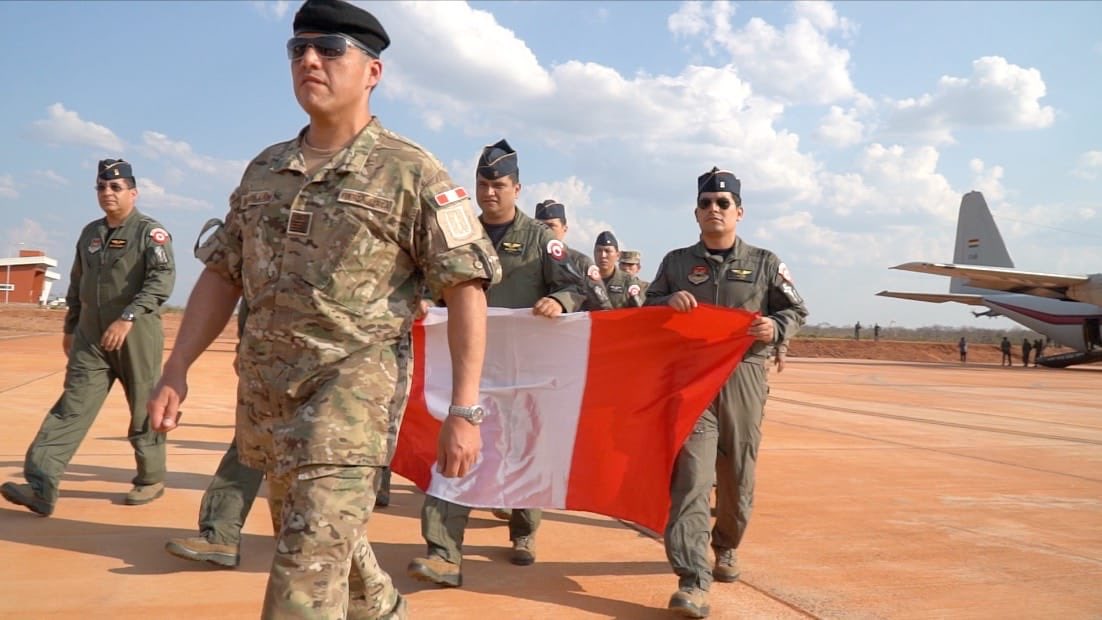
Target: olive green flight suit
(723,447)
(533,265)
(625,290)
(126,269)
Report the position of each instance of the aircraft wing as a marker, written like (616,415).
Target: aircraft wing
(937,298)
(1002,279)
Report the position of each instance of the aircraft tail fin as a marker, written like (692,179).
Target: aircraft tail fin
(978,240)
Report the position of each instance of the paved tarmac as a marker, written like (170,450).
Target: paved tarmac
(885,490)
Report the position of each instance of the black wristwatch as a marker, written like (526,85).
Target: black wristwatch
(473,414)
(127,316)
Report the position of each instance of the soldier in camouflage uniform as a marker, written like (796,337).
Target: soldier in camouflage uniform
(122,273)
(631,262)
(724,270)
(553,215)
(536,275)
(330,237)
(232,490)
(624,289)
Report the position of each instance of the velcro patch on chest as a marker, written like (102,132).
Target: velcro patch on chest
(116,244)
(298,223)
(511,247)
(699,274)
(95,245)
(365,200)
(616,288)
(737,274)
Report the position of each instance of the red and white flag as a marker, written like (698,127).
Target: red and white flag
(583,412)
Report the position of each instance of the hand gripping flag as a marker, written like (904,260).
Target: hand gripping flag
(583,412)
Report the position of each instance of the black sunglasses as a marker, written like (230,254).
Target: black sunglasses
(326,45)
(113,186)
(722,203)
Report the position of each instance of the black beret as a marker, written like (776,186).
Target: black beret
(607,238)
(497,160)
(716,180)
(551,209)
(338,17)
(114,169)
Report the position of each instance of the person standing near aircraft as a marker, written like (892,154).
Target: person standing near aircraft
(722,269)
(1027,348)
(1004,346)
(857,331)
(963,346)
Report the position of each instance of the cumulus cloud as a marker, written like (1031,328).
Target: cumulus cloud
(840,127)
(52,177)
(272,9)
(998,95)
(797,63)
(574,194)
(66,127)
(1089,165)
(7,187)
(988,181)
(153,196)
(160,145)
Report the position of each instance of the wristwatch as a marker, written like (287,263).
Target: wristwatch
(127,316)
(472,414)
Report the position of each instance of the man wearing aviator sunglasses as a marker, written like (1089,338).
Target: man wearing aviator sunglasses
(330,238)
(122,273)
(724,270)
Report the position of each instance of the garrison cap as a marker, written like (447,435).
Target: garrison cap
(338,17)
(630,257)
(551,209)
(716,180)
(607,238)
(497,160)
(110,169)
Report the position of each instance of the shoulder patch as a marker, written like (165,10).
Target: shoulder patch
(557,249)
(451,196)
(159,236)
(784,273)
(458,224)
(634,290)
(594,273)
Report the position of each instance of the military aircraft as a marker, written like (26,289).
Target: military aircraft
(1065,308)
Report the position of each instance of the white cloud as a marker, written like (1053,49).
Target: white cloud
(272,9)
(988,181)
(153,196)
(998,95)
(893,181)
(797,63)
(27,235)
(840,127)
(574,194)
(66,127)
(7,187)
(50,176)
(158,145)
(1089,165)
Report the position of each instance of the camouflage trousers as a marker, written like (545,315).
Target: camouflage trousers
(324,567)
(722,450)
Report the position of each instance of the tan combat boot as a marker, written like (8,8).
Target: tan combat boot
(524,551)
(200,549)
(690,603)
(24,495)
(145,493)
(433,569)
(726,568)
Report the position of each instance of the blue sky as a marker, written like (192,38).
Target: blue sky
(855,127)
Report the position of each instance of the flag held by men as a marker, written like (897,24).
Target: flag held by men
(583,412)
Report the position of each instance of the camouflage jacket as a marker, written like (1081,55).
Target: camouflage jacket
(126,269)
(534,265)
(750,278)
(332,267)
